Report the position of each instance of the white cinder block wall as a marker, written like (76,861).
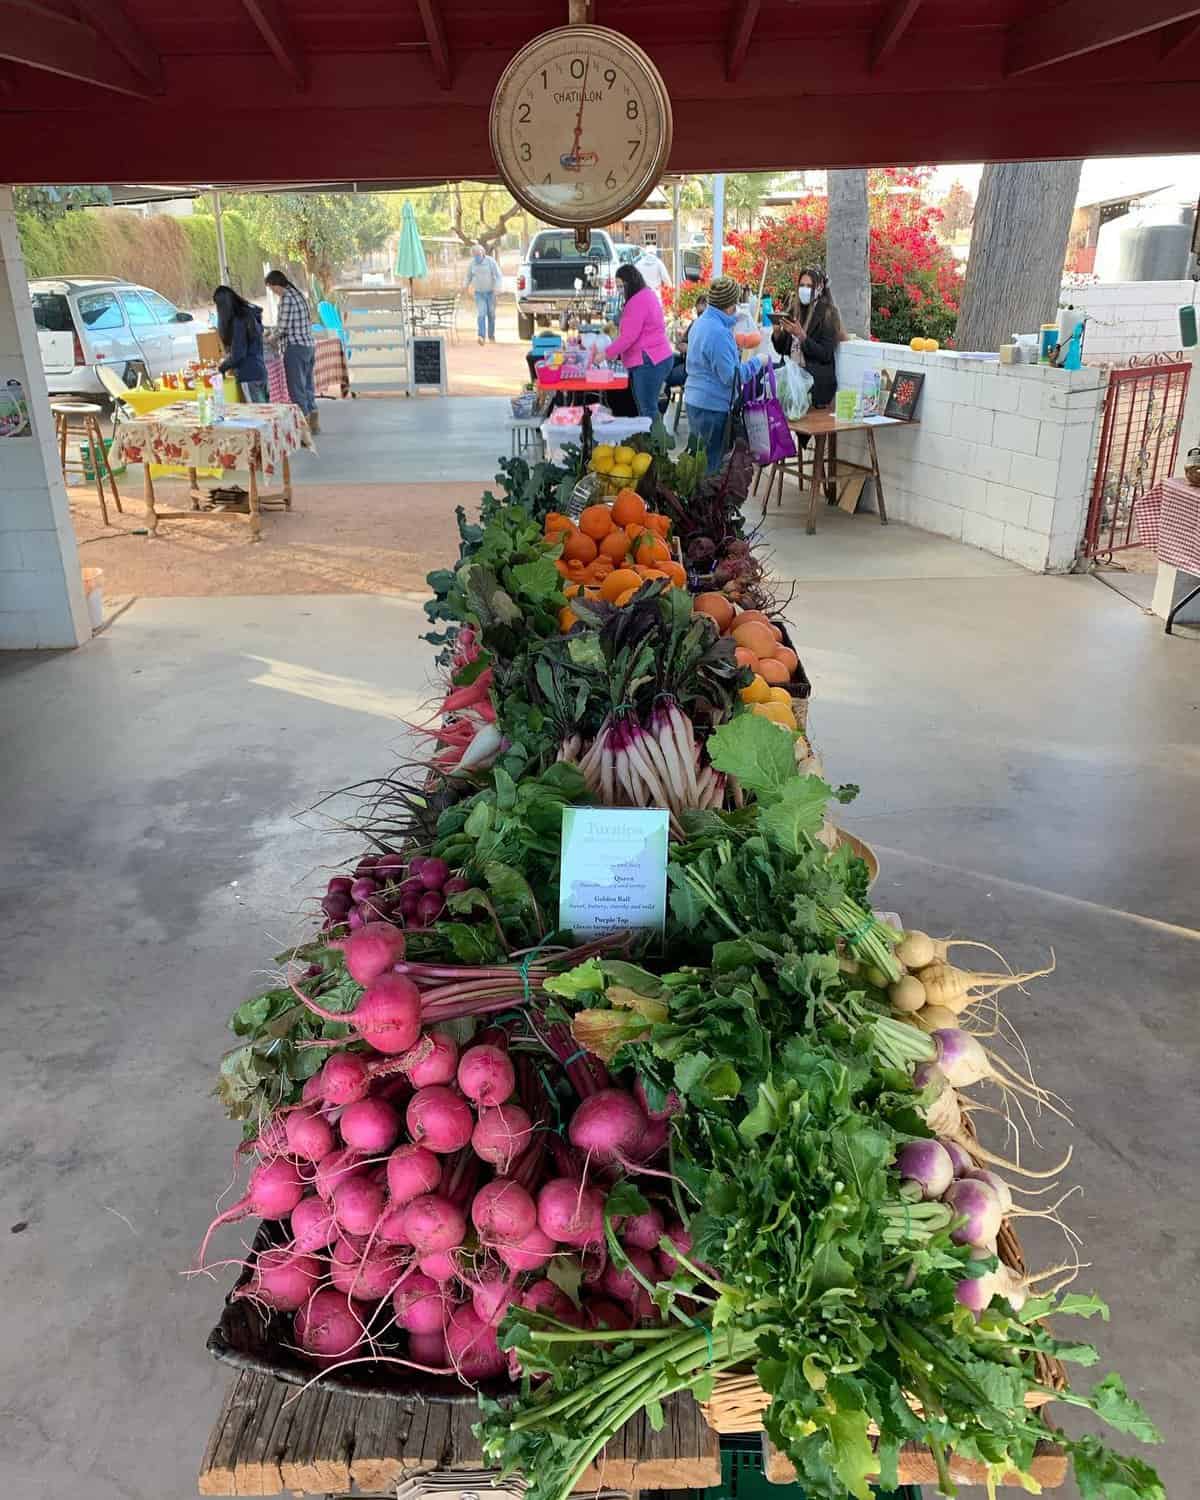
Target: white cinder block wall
(41,591)
(999,457)
(1130,317)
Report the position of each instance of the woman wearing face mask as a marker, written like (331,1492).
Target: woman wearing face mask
(810,331)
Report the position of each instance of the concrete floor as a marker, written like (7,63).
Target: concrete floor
(1028,753)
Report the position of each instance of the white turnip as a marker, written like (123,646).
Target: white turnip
(282,1280)
(440,1119)
(963,1061)
(955,988)
(486,1075)
(433,1223)
(959,1159)
(927,1164)
(501,1134)
(370,1125)
(933,1017)
(608,1126)
(944,1118)
(503,1212)
(997,1184)
(274,1189)
(907,994)
(411,1171)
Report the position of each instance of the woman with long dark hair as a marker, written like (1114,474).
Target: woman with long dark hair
(239,325)
(641,342)
(293,331)
(810,331)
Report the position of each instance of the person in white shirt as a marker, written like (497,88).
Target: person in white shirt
(485,279)
(653,272)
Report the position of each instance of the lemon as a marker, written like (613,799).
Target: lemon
(757,692)
(780,695)
(602,462)
(778,713)
(621,471)
(641,462)
(625,456)
(603,450)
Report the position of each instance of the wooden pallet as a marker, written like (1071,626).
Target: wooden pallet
(916,1466)
(267,1440)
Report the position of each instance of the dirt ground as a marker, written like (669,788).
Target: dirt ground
(319,547)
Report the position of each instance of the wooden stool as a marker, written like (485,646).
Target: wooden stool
(89,416)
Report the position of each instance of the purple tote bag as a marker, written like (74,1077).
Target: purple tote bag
(767,431)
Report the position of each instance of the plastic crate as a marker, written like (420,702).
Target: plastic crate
(85,459)
(742,1476)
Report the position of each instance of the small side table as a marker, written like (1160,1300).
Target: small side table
(88,417)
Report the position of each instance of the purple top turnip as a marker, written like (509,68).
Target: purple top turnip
(928,1165)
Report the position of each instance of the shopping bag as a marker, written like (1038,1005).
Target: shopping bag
(767,430)
(795,385)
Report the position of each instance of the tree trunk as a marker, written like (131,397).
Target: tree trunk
(846,245)
(1018,246)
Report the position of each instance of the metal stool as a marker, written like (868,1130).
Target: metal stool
(89,415)
(526,437)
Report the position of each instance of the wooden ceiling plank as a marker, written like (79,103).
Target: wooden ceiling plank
(1081,26)
(1176,38)
(435,36)
(41,39)
(276,30)
(896,21)
(739,37)
(111,21)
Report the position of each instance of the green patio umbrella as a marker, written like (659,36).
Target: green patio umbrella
(410,255)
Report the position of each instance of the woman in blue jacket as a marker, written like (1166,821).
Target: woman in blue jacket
(239,324)
(713,364)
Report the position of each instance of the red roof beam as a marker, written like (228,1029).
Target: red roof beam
(276,30)
(435,36)
(1081,26)
(110,20)
(891,28)
(1176,38)
(43,39)
(740,32)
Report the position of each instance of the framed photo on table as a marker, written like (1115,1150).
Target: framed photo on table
(904,395)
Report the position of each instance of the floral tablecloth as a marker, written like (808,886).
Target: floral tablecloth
(247,437)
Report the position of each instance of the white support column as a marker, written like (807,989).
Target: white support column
(41,589)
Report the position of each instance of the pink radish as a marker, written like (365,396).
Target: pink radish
(529,1254)
(439,1118)
(608,1126)
(309,1135)
(571,1213)
(282,1280)
(621,1284)
(274,1189)
(370,1125)
(372,950)
(486,1075)
(503,1212)
(367,1277)
(436,1060)
(391,1228)
(501,1134)
(336,1168)
(682,1240)
(602,1312)
(387,1016)
(329,1328)
(357,1204)
(411,1171)
(433,1224)
(344,1079)
(472,1346)
(643,1231)
(544,1297)
(429,1349)
(441,1266)
(313,1225)
(672,1106)
(490,1298)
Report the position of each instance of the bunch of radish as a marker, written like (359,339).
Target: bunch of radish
(389,888)
(417,1193)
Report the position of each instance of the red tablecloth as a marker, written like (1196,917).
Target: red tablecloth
(597,382)
(331,374)
(1168,519)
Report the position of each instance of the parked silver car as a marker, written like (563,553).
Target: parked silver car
(85,321)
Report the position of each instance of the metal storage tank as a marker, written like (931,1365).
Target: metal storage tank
(1150,243)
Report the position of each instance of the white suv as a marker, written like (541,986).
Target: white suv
(85,321)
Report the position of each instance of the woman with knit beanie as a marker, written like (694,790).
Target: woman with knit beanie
(713,364)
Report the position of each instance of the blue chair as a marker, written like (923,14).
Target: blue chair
(332,319)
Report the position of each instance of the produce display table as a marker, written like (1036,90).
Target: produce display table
(1168,519)
(331,373)
(251,437)
(597,382)
(557,435)
(824,429)
(321,1443)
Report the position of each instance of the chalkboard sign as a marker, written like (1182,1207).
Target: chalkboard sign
(904,395)
(429,363)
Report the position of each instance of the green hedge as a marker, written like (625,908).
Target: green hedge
(177,257)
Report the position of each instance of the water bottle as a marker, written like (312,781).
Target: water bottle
(217,407)
(203,401)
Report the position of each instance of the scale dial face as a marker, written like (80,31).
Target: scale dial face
(581,126)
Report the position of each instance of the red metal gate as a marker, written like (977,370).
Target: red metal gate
(1138,443)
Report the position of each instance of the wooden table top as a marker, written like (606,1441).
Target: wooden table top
(817,423)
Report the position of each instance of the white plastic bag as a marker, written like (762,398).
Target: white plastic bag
(794,384)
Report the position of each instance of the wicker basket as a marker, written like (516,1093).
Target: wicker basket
(738,1401)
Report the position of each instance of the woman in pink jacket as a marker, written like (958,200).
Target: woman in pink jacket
(642,343)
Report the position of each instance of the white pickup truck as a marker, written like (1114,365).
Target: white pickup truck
(557,284)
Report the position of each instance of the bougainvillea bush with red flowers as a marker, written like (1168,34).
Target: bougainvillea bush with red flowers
(915,280)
